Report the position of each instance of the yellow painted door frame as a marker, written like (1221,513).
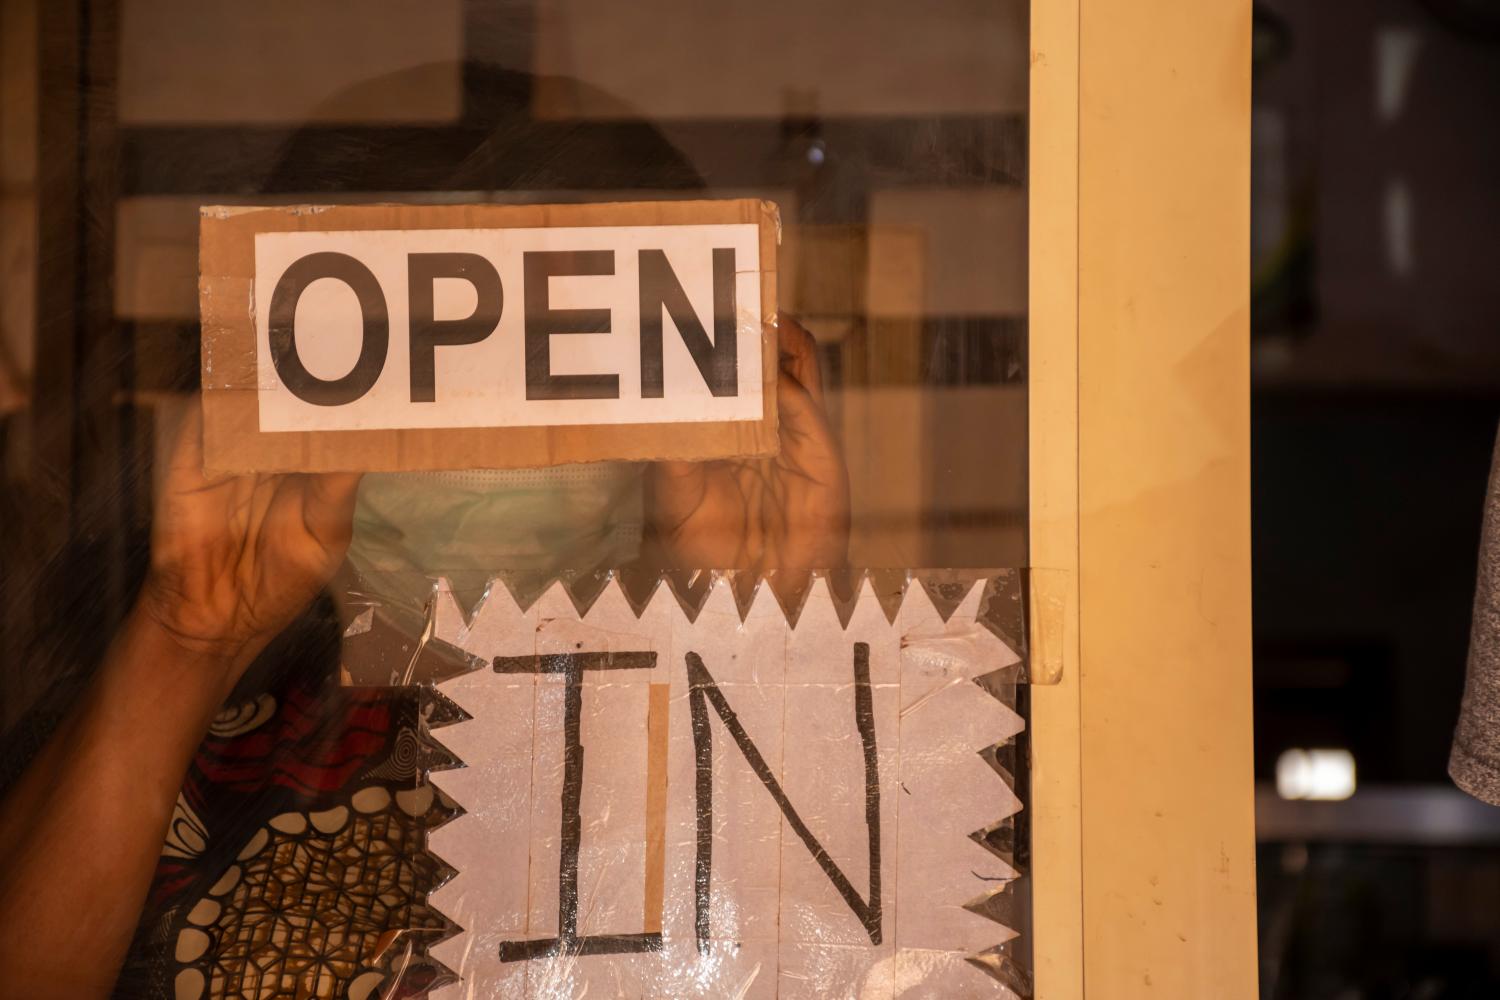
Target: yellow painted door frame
(1142,814)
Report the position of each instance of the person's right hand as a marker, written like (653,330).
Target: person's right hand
(234,559)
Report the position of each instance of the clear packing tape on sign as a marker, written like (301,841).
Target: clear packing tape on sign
(689,785)
(391,616)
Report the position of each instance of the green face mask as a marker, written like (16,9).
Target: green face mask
(526,525)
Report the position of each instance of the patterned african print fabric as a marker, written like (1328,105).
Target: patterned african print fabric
(294,864)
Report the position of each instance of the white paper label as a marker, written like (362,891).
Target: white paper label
(508,327)
(812,791)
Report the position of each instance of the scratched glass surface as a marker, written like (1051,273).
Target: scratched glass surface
(332,615)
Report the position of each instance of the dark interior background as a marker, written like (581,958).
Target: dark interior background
(1376,361)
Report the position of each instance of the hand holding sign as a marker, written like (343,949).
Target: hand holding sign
(788,512)
(235,558)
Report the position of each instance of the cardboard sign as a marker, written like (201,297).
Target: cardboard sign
(396,337)
(657,805)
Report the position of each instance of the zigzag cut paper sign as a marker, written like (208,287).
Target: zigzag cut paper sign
(719,801)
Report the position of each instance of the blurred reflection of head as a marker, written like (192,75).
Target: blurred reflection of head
(526,526)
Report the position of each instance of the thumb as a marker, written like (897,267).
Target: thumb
(801,419)
(808,446)
(328,501)
(675,489)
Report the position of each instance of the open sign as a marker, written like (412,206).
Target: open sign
(405,337)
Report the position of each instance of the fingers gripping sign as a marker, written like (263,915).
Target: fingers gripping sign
(234,558)
(788,512)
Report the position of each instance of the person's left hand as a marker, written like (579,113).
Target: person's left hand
(790,512)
